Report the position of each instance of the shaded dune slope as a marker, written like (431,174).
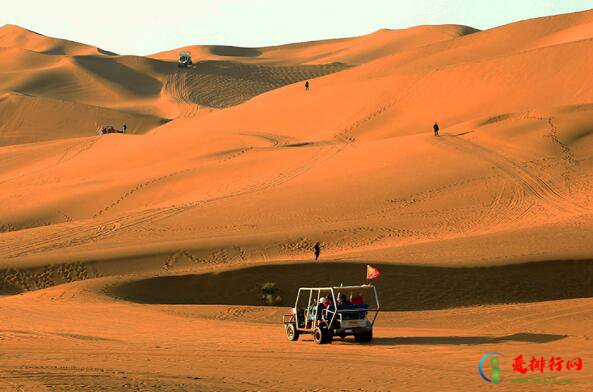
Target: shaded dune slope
(400,287)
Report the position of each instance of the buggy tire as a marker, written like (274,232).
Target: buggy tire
(322,335)
(364,337)
(291,332)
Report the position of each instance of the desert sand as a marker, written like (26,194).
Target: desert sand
(134,261)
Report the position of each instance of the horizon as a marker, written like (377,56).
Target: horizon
(222,23)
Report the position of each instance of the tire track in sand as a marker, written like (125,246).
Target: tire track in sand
(530,182)
(82,232)
(45,239)
(68,154)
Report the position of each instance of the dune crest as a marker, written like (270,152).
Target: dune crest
(19,37)
(352,51)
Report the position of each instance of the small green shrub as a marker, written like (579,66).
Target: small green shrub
(269,294)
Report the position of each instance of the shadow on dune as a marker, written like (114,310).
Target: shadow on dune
(401,287)
(123,77)
(468,340)
(234,51)
(61,50)
(106,52)
(8,288)
(304,144)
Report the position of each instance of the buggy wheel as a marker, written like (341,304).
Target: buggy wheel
(329,337)
(291,332)
(364,337)
(322,335)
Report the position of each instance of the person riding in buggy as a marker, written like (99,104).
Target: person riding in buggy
(110,129)
(325,312)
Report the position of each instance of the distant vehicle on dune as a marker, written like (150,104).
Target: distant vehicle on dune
(184,60)
(110,129)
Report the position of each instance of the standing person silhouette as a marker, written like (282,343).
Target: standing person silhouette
(307,85)
(436,128)
(125,127)
(317,250)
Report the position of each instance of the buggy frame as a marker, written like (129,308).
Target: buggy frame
(325,323)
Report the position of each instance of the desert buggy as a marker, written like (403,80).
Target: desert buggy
(184,60)
(326,312)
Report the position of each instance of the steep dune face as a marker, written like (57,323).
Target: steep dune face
(351,162)
(95,80)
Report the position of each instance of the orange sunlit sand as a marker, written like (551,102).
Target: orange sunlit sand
(136,260)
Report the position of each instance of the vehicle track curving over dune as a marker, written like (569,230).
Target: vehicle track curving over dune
(530,181)
(141,186)
(82,232)
(221,84)
(43,239)
(68,154)
(567,154)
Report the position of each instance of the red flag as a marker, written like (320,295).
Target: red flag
(372,272)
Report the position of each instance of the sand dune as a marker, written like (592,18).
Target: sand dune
(222,84)
(18,37)
(27,119)
(352,51)
(233,171)
(52,94)
(527,151)
(94,80)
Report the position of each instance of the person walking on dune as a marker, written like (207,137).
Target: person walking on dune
(317,250)
(125,128)
(436,128)
(307,85)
